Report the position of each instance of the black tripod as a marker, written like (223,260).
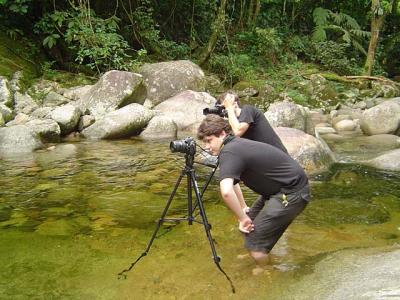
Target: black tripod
(192,185)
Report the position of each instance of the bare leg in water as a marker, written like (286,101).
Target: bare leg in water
(262,260)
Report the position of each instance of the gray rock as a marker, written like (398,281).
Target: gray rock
(6,112)
(124,122)
(345,125)
(339,118)
(115,89)
(5,93)
(23,103)
(186,109)
(48,130)
(387,161)
(77,93)
(160,127)
(42,113)
(20,119)
(361,105)
(15,83)
(311,153)
(53,99)
(286,114)
(18,139)
(67,116)
(383,118)
(1,121)
(320,129)
(85,122)
(166,79)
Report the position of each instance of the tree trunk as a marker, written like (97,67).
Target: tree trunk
(256,12)
(217,27)
(377,19)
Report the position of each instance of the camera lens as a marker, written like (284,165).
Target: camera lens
(177,146)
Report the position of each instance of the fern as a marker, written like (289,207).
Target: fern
(320,16)
(319,34)
(325,20)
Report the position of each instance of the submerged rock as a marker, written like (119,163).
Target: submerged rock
(387,161)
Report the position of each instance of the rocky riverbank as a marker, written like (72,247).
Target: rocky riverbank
(166,99)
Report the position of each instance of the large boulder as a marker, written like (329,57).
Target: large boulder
(18,139)
(186,109)
(160,127)
(114,90)
(124,122)
(67,116)
(287,114)
(311,153)
(166,79)
(383,118)
(387,161)
(5,93)
(48,130)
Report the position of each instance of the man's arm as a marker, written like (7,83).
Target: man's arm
(232,201)
(239,195)
(238,128)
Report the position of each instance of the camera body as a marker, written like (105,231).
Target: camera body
(187,146)
(218,109)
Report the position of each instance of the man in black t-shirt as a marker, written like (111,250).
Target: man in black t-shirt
(267,171)
(249,122)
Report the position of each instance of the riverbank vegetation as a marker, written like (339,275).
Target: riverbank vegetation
(241,40)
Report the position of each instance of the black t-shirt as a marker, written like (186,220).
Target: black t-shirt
(259,130)
(263,168)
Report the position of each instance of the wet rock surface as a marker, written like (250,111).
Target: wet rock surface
(353,274)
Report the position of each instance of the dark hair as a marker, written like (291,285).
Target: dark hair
(229,92)
(213,125)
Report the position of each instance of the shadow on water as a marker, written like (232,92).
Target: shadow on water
(72,218)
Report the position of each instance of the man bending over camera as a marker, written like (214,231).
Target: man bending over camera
(267,171)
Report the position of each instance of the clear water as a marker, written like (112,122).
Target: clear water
(73,217)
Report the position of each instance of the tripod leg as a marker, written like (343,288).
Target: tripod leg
(160,221)
(207,227)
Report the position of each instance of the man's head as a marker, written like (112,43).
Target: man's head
(212,132)
(228,94)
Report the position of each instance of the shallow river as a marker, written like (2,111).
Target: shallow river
(72,218)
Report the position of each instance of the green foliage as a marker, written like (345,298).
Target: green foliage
(93,40)
(333,56)
(16,6)
(146,30)
(262,44)
(232,68)
(342,27)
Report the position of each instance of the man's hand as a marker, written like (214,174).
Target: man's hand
(246,225)
(229,101)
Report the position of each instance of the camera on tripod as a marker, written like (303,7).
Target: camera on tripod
(187,146)
(218,109)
